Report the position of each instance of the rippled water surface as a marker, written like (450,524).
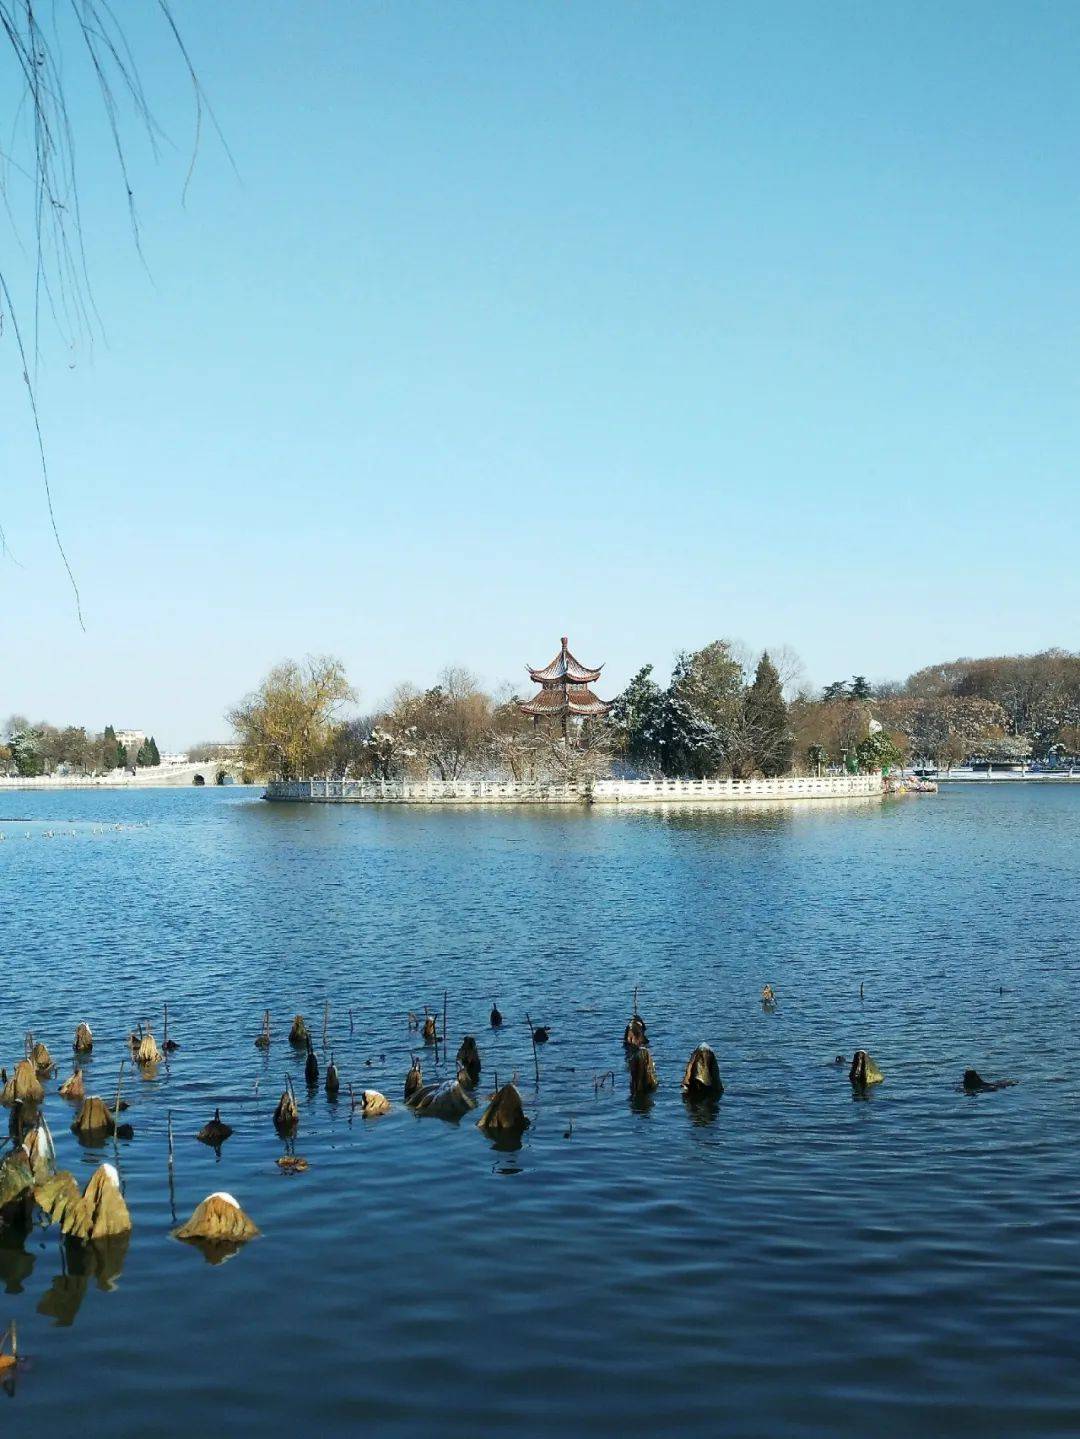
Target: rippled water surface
(798,1262)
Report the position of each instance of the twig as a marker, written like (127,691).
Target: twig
(172,1172)
(119,1082)
(350,1023)
(325,1023)
(165,1035)
(445,1031)
(536,1057)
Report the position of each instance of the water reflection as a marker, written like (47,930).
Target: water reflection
(701,1112)
(215,1251)
(16,1265)
(101,1260)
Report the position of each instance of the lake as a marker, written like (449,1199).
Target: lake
(801,1261)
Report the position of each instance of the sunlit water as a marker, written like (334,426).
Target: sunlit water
(801,1262)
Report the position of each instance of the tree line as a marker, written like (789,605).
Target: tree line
(28,750)
(720,714)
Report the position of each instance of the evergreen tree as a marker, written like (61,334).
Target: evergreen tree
(860,688)
(767,721)
(155,753)
(689,746)
(635,717)
(705,714)
(25,752)
(121,756)
(838,690)
(878,752)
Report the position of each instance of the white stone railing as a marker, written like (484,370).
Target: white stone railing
(605,791)
(631,791)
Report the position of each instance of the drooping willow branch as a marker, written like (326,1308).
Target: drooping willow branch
(38,179)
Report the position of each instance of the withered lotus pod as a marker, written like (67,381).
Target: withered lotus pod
(504,1112)
(413,1080)
(442,1101)
(215,1131)
(372,1103)
(16,1181)
(635,1034)
(495,1016)
(98,1213)
(94,1119)
(643,1078)
(431,1034)
(73,1088)
(333,1080)
(468,1059)
(768,995)
(59,1199)
(864,1071)
(107,1212)
(311,1066)
(21,1120)
(9,1361)
(218,1219)
(287,1113)
(974,1083)
(298,1034)
(701,1077)
(40,1058)
(541,1033)
(39,1150)
(84,1039)
(23,1084)
(147,1051)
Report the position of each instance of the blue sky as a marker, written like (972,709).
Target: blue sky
(642,322)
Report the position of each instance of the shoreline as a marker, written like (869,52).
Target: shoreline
(617,793)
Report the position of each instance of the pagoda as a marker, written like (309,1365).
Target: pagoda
(564,691)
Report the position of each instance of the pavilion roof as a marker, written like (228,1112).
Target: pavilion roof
(564,667)
(574,700)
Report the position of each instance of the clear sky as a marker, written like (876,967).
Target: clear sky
(646,323)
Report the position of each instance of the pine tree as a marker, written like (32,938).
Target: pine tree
(155,753)
(860,688)
(142,754)
(635,719)
(767,720)
(838,690)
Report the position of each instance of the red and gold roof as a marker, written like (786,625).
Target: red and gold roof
(564,688)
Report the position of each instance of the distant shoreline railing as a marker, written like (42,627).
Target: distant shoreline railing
(600,792)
